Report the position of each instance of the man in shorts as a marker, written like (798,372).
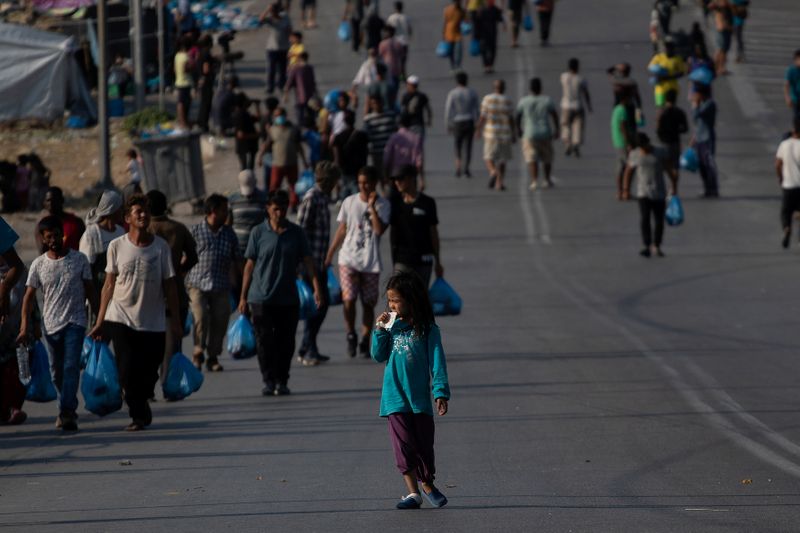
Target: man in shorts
(723,22)
(363,218)
(537,122)
(496,124)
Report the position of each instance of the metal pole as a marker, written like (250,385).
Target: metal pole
(160,10)
(138,52)
(102,94)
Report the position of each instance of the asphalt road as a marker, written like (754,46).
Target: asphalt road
(593,390)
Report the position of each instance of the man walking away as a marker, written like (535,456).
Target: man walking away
(380,125)
(545,10)
(575,93)
(649,163)
(279,28)
(486,21)
(496,125)
(791,88)
(209,282)
(671,125)
(537,122)
(269,293)
(315,218)
(705,139)
(461,112)
(787,166)
(414,234)
(402,31)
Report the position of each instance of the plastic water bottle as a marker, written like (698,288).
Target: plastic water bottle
(23,361)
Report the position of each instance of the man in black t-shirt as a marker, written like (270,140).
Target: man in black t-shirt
(414,235)
(350,150)
(671,125)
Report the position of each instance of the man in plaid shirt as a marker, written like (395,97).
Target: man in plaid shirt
(209,282)
(315,218)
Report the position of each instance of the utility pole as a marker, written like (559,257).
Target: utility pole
(160,18)
(138,52)
(102,94)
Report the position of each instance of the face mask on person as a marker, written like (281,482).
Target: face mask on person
(280,120)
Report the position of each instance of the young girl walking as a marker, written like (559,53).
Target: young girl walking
(408,340)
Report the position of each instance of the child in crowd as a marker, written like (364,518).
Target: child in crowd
(410,342)
(297,47)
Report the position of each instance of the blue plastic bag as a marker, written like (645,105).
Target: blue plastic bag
(334,289)
(41,388)
(702,75)
(344,31)
(527,23)
(88,344)
(188,325)
(674,212)
(444,299)
(241,339)
(182,378)
(443,49)
(474,47)
(689,160)
(466,28)
(308,307)
(305,182)
(100,387)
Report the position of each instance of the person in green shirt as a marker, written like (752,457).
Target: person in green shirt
(621,137)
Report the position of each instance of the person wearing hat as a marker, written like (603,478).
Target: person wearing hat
(667,68)
(246,208)
(103,225)
(416,106)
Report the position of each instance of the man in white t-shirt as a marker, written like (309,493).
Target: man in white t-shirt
(362,220)
(787,166)
(65,278)
(139,275)
(574,94)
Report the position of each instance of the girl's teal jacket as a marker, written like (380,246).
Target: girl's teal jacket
(411,362)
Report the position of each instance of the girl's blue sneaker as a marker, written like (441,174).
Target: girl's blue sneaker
(412,501)
(435,498)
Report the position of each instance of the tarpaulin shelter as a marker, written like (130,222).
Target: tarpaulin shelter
(41,78)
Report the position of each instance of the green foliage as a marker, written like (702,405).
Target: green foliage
(149,117)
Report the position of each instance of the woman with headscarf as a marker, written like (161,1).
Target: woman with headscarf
(103,225)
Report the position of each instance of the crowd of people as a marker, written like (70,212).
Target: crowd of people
(142,272)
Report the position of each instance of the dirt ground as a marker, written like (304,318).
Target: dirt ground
(72,155)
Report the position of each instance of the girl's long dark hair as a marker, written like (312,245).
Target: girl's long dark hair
(412,289)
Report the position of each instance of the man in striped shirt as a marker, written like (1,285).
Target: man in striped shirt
(380,125)
(498,134)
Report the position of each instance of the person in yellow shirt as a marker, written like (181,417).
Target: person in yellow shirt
(183,82)
(667,68)
(453,16)
(297,47)
(473,6)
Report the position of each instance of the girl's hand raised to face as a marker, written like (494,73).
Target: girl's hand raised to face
(383,319)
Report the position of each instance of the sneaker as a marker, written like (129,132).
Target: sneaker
(645,252)
(435,497)
(412,501)
(533,186)
(269,389)
(310,360)
(466,173)
(352,342)
(363,346)
(17,417)
(282,390)
(576,152)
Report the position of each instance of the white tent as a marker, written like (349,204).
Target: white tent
(40,76)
